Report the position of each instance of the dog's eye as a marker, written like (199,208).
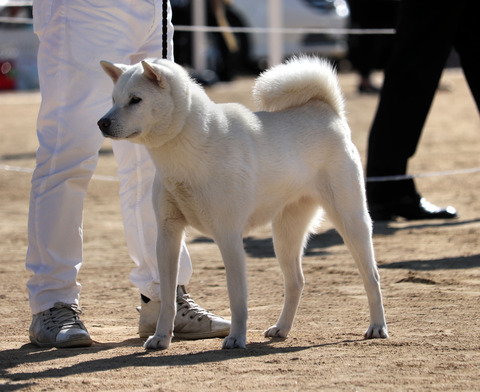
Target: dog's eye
(135,100)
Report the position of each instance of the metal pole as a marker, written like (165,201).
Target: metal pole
(275,38)
(199,17)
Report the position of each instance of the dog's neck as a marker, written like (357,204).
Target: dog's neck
(184,155)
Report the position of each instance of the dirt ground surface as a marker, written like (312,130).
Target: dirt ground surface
(430,273)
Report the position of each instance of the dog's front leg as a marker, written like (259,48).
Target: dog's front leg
(168,250)
(171,225)
(233,254)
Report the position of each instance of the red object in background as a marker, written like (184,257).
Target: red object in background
(7,75)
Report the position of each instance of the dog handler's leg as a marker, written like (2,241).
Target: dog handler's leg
(233,254)
(345,204)
(290,232)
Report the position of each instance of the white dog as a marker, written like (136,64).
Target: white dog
(225,170)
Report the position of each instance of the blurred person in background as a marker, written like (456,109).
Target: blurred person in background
(370,52)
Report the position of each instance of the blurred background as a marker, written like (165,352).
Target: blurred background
(221,39)
(18,46)
(217,55)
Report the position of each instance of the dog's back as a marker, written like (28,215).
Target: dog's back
(303,131)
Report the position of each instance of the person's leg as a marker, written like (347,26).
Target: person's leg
(136,172)
(422,47)
(66,158)
(368,50)
(467,45)
(74,37)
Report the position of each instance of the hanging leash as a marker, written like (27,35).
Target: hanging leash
(164,28)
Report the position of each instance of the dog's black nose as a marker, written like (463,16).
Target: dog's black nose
(104,124)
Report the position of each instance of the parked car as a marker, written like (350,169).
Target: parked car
(18,47)
(331,14)
(253,47)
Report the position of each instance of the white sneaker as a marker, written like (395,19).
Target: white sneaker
(191,321)
(59,327)
(149,312)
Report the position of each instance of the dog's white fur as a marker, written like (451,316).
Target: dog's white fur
(224,170)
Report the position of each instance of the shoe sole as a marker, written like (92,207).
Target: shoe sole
(206,335)
(191,336)
(71,343)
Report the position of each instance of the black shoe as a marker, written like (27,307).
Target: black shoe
(410,208)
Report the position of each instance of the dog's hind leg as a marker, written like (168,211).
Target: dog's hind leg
(290,233)
(233,254)
(344,201)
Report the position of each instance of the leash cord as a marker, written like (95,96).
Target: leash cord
(164,28)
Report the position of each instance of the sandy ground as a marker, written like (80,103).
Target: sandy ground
(430,280)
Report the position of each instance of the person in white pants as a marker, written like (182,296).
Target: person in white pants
(74,36)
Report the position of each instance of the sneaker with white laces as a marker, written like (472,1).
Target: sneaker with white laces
(191,321)
(59,327)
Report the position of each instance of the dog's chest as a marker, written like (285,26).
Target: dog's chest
(189,202)
(180,190)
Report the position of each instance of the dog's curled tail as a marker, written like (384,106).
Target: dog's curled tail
(296,82)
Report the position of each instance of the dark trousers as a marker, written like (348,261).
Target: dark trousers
(426,33)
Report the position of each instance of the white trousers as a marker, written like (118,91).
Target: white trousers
(74,37)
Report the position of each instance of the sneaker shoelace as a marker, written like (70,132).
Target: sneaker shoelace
(188,305)
(63,316)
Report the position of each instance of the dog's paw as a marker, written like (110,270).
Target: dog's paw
(376,332)
(276,332)
(157,342)
(234,342)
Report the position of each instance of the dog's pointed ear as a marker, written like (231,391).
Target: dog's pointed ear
(153,74)
(112,70)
